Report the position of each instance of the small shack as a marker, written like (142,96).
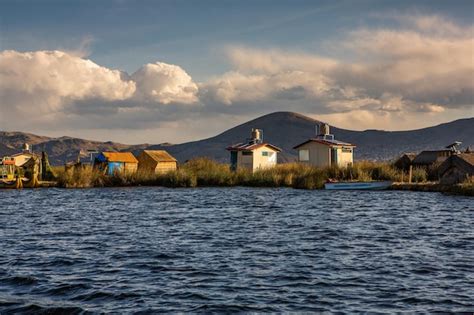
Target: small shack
(7,168)
(156,161)
(431,158)
(113,162)
(404,161)
(253,154)
(24,156)
(457,169)
(324,150)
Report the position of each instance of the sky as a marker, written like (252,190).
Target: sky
(176,71)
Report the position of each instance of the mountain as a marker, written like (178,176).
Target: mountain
(283,129)
(287,129)
(60,150)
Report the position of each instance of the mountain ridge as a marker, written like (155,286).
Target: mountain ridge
(283,129)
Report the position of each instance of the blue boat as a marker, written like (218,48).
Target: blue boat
(358,185)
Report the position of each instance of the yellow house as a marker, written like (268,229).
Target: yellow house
(324,150)
(156,161)
(254,154)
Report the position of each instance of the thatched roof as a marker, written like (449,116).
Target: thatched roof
(125,157)
(463,162)
(404,161)
(431,157)
(159,155)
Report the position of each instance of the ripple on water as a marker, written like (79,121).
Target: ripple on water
(151,250)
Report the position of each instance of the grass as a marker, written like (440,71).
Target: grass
(202,172)
(466,188)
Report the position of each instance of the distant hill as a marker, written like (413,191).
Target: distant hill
(60,150)
(283,129)
(287,129)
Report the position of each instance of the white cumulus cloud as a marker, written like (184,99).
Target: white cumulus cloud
(44,81)
(164,83)
(51,86)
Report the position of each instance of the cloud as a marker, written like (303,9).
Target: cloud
(54,78)
(55,86)
(423,67)
(163,83)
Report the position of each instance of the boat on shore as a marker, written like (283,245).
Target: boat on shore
(376,185)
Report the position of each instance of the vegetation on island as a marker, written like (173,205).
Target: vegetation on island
(202,172)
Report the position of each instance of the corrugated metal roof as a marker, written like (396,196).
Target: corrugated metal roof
(325,142)
(250,146)
(126,157)
(160,155)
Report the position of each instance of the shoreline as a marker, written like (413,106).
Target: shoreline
(458,189)
(203,172)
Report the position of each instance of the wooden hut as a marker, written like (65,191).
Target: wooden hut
(430,161)
(457,168)
(156,161)
(113,162)
(431,158)
(404,161)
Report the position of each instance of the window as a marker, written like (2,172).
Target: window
(265,153)
(346,149)
(303,155)
(247,152)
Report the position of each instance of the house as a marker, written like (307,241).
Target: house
(457,168)
(431,158)
(113,162)
(7,168)
(404,161)
(253,154)
(324,150)
(24,156)
(156,161)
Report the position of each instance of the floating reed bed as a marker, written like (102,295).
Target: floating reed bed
(203,172)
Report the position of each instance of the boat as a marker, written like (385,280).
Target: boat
(377,185)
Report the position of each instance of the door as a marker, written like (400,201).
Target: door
(233,160)
(333,156)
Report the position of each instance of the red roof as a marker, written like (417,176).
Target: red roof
(251,147)
(331,143)
(7,161)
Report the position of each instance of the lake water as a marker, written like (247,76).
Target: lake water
(234,250)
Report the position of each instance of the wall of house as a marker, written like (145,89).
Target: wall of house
(319,154)
(146,163)
(130,167)
(261,161)
(244,161)
(455,175)
(344,158)
(114,167)
(164,167)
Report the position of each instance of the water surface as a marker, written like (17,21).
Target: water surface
(234,249)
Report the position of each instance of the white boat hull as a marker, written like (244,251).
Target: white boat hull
(358,185)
